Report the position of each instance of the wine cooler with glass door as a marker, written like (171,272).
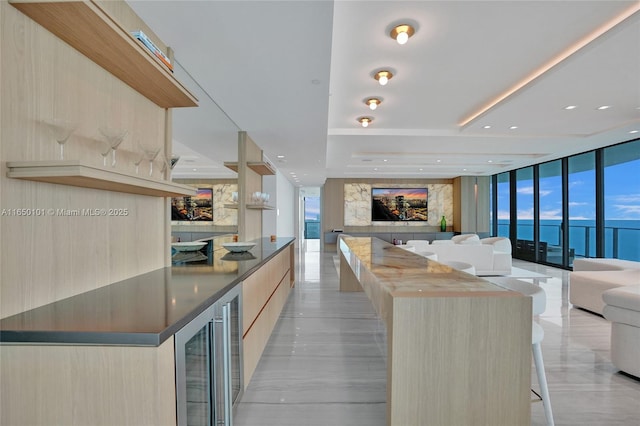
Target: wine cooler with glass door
(209,378)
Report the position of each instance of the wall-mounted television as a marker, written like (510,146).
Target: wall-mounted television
(198,208)
(399,204)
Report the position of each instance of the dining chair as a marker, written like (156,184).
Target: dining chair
(539,305)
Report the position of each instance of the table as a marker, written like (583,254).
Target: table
(458,347)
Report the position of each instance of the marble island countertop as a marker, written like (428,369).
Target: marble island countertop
(386,272)
(143,310)
(404,273)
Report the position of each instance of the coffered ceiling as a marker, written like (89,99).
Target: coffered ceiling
(295,74)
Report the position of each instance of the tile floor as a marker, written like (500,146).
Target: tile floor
(325,361)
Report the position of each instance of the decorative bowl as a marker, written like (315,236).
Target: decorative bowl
(238,247)
(188,246)
(238,256)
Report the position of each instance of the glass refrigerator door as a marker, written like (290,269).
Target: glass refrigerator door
(197,361)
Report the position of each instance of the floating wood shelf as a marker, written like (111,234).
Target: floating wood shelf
(231,165)
(259,207)
(230,206)
(260,167)
(92,31)
(74,173)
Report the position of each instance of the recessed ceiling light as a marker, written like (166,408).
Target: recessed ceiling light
(375,168)
(195,170)
(383,77)
(604,107)
(292,173)
(489,161)
(464,170)
(401,33)
(571,107)
(420,169)
(513,127)
(280,156)
(486,127)
(634,131)
(437,161)
(385,160)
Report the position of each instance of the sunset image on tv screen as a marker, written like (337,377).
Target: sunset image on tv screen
(399,204)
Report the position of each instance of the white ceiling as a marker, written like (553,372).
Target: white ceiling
(295,74)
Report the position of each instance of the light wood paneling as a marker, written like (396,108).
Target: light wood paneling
(469,362)
(333,204)
(249,220)
(259,286)
(256,339)
(92,31)
(264,294)
(87,385)
(57,256)
(470,216)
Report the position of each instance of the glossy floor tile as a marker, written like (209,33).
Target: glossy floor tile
(325,361)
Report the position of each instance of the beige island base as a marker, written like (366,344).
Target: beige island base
(458,347)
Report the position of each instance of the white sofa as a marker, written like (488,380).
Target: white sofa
(592,277)
(622,308)
(481,256)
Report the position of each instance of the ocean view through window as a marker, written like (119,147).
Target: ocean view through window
(568,188)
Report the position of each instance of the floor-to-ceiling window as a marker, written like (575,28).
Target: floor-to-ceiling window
(524,203)
(586,205)
(550,211)
(622,201)
(503,193)
(582,204)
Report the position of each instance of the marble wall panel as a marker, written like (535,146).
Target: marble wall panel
(222,194)
(357,204)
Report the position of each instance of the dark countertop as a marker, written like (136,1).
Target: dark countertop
(144,310)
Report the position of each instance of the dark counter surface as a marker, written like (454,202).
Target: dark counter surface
(144,310)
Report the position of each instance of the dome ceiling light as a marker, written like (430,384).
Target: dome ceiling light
(383,77)
(401,33)
(364,121)
(373,103)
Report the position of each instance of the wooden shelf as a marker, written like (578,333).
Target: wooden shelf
(231,165)
(260,167)
(259,207)
(74,173)
(92,31)
(231,206)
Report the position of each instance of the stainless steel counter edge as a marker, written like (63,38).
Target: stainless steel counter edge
(138,311)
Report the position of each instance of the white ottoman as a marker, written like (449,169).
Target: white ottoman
(586,287)
(623,310)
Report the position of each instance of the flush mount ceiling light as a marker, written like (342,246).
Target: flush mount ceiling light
(373,103)
(364,121)
(383,77)
(401,33)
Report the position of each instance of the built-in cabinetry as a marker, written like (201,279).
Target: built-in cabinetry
(209,364)
(91,30)
(124,354)
(264,294)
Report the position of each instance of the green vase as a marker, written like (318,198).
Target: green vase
(443,224)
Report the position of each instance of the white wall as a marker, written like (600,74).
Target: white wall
(286,211)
